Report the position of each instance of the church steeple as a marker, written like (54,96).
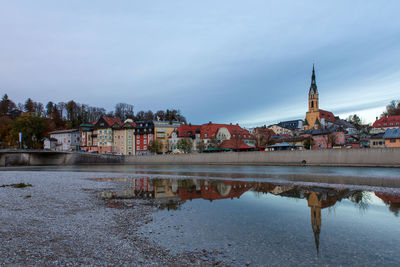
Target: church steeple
(313,86)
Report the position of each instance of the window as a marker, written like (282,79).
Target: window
(115,143)
(138,142)
(137,147)
(130,136)
(145,142)
(130,148)
(122,148)
(145,147)
(144,136)
(129,142)
(116,137)
(391,124)
(392,140)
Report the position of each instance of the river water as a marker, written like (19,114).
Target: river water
(264,216)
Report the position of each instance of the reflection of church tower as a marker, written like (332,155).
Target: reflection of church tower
(312,120)
(314,202)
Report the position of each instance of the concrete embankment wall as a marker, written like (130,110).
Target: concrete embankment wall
(389,157)
(43,158)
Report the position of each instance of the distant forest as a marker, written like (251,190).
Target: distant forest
(35,120)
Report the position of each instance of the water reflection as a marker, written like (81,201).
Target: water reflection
(172,193)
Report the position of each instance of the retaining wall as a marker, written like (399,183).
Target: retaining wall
(387,157)
(47,158)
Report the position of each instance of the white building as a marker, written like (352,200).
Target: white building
(67,140)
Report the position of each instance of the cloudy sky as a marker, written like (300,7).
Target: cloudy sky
(222,61)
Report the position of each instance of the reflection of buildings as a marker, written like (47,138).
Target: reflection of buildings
(393,201)
(317,198)
(171,193)
(214,190)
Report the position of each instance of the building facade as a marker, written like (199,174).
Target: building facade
(88,138)
(163,131)
(67,140)
(392,138)
(279,130)
(103,131)
(377,141)
(144,134)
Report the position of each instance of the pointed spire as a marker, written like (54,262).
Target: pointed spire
(313,82)
(316,239)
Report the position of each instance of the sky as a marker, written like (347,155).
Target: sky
(246,62)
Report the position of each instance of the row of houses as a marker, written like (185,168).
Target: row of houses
(384,133)
(111,136)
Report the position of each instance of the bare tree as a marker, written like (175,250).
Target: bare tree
(124,111)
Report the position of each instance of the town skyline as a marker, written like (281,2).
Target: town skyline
(238,62)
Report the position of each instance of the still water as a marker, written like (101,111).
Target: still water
(269,215)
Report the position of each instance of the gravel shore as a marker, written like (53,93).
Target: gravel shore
(60,220)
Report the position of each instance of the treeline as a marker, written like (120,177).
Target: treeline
(35,120)
(392,109)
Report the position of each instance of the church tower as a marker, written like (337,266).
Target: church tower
(312,120)
(313,94)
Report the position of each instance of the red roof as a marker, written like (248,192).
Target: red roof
(327,115)
(234,144)
(110,120)
(387,121)
(211,130)
(388,198)
(186,130)
(211,192)
(263,131)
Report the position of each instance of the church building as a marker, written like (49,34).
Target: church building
(316,118)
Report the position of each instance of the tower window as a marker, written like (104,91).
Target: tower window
(312,104)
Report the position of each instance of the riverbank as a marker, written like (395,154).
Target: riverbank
(163,215)
(62,221)
(385,157)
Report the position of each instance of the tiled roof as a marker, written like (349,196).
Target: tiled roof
(392,133)
(186,130)
(377,136)
(263,131)
(110,120)
(386,121)
(211,130)
(327,115)
(64,131)
(234,144)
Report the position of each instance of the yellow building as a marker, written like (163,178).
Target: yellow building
(124,138)
(162,132)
